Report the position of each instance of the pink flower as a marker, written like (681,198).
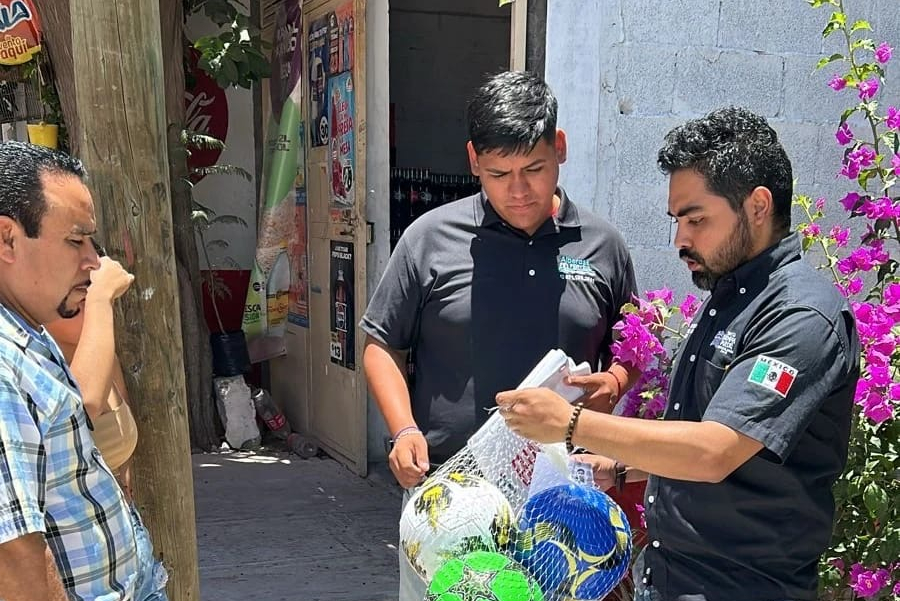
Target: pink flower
(844,134)
(837,83)
(881,208)
(864,155)
(892,120)
(689,307)
(895,163)
(868,88)
(812,230)
(840,235)
(663,294)
(851,200)
(856,160)
(867,583)
(892,298)
(820,204)
(854,286)
(896,590)
(640,510)
(883,53)
(863,259)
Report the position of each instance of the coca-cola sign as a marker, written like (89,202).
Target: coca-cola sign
(206,112)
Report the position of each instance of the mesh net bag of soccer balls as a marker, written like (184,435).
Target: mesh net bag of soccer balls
(506,519)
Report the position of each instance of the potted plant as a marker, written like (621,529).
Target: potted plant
(229,347)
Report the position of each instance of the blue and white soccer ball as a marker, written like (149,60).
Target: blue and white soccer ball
(575,541)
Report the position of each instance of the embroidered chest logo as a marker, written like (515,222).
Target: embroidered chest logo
(576,270)
(724,342)
(772,374)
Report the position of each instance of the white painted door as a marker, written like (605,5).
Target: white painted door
(336,182)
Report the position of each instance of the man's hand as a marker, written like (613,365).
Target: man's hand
(110,281)
(536,413)
(409,459)
(600,390)
(604,469)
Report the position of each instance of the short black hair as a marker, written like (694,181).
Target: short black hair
(511,112)
(735,150)
(21,191)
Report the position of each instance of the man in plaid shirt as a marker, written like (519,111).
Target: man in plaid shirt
(66,530)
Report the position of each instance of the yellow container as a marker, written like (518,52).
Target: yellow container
(44,134)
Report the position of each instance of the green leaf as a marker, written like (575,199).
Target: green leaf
(829,59)
(838,20)
(860,24)
(875,498)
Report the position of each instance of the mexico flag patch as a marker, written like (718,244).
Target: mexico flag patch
(772,374)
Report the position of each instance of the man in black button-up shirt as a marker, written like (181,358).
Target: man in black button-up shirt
(739,502)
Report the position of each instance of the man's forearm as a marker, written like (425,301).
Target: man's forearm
(28,571)
(384,368)
(94,358)
(683,450)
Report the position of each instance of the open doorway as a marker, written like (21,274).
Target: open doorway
(440,52)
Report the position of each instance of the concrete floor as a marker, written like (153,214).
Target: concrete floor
(274,527)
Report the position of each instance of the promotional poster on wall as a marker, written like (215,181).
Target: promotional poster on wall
(343,318)
(340,39)
(343,143)
(318,81)
(298,314)
(268,296)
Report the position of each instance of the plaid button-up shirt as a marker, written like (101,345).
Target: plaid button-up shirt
(52,478)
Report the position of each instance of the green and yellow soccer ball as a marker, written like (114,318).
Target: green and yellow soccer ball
(483,576)
(451,515)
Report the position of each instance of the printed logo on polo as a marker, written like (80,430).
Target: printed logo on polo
(773,374)
(576,270)
(724,342)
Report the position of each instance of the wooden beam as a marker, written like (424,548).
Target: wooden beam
(117,56)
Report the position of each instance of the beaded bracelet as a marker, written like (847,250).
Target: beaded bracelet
(576,412)
(407,431)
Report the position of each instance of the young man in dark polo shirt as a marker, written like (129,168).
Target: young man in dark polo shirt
(739,502)
(483,287)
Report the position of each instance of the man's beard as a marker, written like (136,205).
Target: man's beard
(725,259)
(65,312)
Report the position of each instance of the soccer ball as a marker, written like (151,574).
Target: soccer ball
(575,541)
(451,515)
(483,576)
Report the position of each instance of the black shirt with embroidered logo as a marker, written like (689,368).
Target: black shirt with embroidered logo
(773,355)
(488,301)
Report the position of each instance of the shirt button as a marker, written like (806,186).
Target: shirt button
(743,291)
(644,580)
(692,358)
(531,272)
(530,242)
(676,406)
(655,544)
(650,499)
(647,572)
(712,312)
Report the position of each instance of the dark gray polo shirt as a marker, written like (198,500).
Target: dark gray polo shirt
(488,301)
(773,355)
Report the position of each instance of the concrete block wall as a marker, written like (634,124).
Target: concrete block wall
(627,71)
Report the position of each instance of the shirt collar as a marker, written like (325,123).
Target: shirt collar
(15,328)
(566,215)
(754,274)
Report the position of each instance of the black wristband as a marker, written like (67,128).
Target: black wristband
(621,471)
(576,412)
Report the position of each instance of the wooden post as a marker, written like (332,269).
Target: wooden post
(117,56)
